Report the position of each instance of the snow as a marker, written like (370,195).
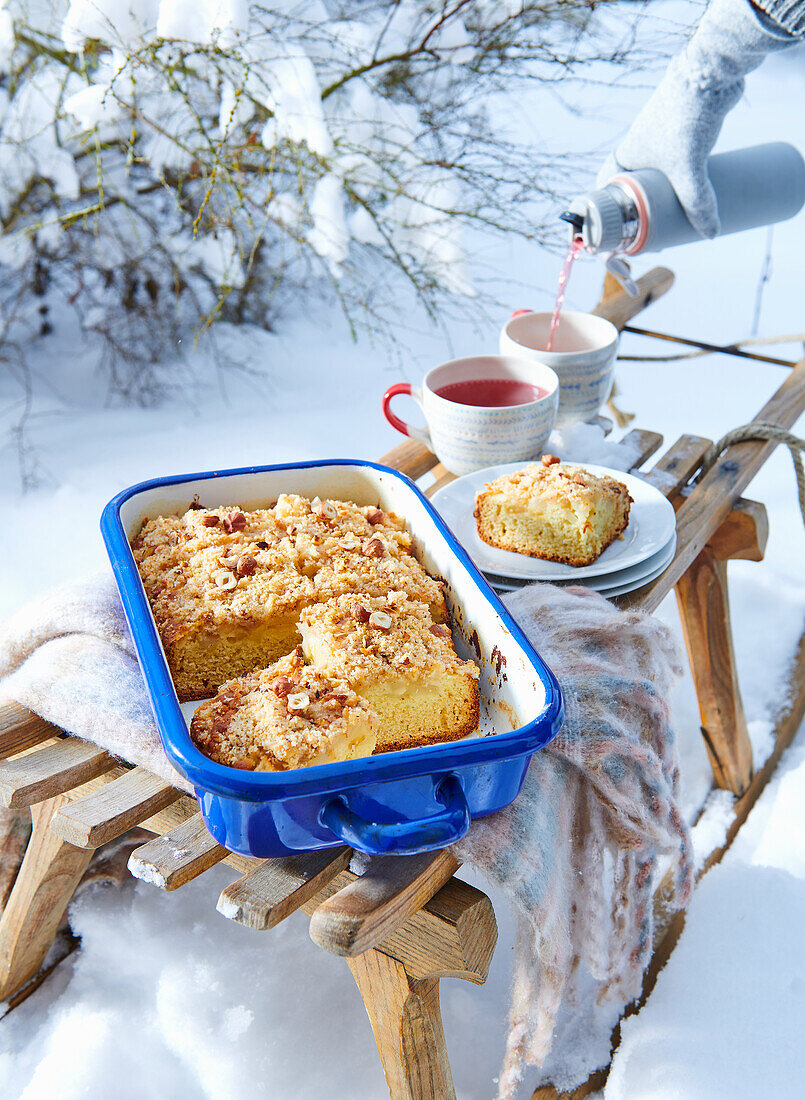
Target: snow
(29,130)
(207,79)
(92,105)
(205,22)
(726,1016)
(359,863)
(6,35)
(106,20)
(147,872)
(329,235)
(217,256)
(168,998)
(715,1025)
(296,102)
(776,837)
(710,831)
(588,443)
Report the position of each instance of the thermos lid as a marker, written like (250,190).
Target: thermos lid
(602,215)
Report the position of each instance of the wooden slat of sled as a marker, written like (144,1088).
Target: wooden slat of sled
(391,890)
(619,308)
(111,811)
(21,729)
(452,935)
(645,443)
(708,505)
(278,887)
(178,856)
(677,465)
(410,458)
(50,872)
(51,770)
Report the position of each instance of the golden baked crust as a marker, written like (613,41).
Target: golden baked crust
(553,511)
(226,585)
(399,660)
(228,589)
(289,715)
(364,638)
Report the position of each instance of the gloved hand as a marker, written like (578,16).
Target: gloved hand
(678,127)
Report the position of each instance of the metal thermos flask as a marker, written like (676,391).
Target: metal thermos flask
(639,211)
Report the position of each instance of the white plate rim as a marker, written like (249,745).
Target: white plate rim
(638,582)
(608,590)
(506,563)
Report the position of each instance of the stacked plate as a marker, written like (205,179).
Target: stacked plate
(645,551)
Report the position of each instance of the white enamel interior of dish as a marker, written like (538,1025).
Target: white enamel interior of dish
(508,701)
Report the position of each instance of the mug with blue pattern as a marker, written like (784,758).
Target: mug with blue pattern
(467,437)
(583,356)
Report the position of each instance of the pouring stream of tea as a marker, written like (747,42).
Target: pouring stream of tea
(575,247)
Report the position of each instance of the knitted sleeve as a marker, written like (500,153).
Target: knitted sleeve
(678,126)
(787,14)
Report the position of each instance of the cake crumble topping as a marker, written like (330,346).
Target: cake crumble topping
(397,636)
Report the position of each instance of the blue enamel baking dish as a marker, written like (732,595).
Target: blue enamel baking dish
(400,802)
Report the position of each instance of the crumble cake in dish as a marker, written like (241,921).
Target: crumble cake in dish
(554,511)
(289,715)
(226,586)
(402,662)
(383,803)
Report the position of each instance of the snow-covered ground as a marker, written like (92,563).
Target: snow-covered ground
(168,999)
(726,1016)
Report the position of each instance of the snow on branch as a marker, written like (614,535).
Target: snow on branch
(169,163)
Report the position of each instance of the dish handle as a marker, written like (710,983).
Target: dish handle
(404,837)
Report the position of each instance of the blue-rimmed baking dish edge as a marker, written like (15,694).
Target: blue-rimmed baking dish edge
(217,785)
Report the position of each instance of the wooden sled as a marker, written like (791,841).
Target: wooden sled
(407,922)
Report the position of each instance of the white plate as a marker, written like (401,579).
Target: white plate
(614,585)
(630,586)
(622,576)
(652,522)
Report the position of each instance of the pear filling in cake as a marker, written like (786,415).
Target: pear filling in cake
(553,511)
(400,661)
(289,715)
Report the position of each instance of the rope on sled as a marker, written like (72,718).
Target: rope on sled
(770,432)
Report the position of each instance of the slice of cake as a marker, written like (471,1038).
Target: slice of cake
(346,548)
(400,661)
(226,586)
(224,591)
(287,716)
(553,511)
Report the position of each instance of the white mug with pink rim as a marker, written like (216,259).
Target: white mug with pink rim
(481,411)
(583,355)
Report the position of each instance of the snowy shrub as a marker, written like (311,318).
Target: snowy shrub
(168,163)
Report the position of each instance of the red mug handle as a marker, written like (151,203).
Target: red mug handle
(421,435)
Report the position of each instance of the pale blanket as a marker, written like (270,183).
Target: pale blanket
(70,658)
(575,853)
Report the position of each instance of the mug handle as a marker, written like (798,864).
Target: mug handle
(421,435)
